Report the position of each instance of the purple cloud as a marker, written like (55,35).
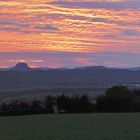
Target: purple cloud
(45,27)
(131,32)
(107,5)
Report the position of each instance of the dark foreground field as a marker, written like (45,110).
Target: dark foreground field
(71,127)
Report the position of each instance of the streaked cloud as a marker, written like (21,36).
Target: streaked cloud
(100,4)
(69,26)
(45,27)
(130,32)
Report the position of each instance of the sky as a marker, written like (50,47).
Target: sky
(70,33)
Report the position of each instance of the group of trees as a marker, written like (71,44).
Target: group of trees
(119,99)
(51,104)
(116,99)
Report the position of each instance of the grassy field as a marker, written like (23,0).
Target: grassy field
(71,127)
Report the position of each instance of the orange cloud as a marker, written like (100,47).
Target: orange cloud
(37,25)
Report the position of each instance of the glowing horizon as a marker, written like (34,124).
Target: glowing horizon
(69,33)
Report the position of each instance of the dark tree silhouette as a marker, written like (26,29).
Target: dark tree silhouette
(36,104)
(49,103)
(116,99)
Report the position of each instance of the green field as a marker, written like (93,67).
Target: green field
(71,127)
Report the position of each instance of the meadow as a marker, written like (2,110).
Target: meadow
(119,126)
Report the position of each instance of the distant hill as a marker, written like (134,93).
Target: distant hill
(135,69)
(21,67)
(22,76)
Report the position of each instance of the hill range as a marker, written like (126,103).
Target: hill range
(22,76)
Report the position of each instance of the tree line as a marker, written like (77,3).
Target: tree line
(115,99)
(51,104)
